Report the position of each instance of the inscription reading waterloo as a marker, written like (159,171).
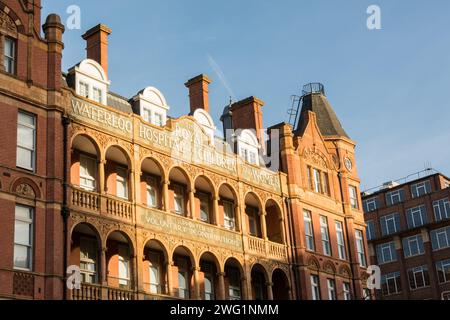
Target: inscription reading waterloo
(101,116)
(197,231)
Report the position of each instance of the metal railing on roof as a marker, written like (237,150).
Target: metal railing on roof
(409,178)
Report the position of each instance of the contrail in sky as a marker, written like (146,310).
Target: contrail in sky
(221,76)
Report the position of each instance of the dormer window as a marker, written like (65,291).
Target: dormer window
(90,81)
(84,89)
(248,146)
(10,55)
(97,95)
(151,105)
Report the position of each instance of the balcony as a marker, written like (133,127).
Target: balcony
(268,249)
(108,205)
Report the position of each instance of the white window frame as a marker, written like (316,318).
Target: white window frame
(158,119)
(122,179)
(124,259)
(10,60)
(152,192)
(419,189)
(413,212)
(441,209)
(441,234)
(315,287)
(417,239)
(353,195)
(395,197)
(83,176)
(179,198)
(331,288)
(97,94)
(86,272)
(391,277)
(419,271)
(87,88)
(309,230)
(317,180)
(229,219)
(346,291)
(325,236)
(30,245)
(387,248)
(359,236)
(205,207)
(33,129)
(370,204)
(340,240)
(390,221)
(443,264)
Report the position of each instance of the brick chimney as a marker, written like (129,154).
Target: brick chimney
(198,92)
(97,45)
(54,29)
(247,114)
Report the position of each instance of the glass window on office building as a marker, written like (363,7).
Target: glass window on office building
(421,189)
(325,236)
(395,197)
(441,209)
(391,283)
(340,240)
(23,238)
(413,246)
(370,230)
(443,270)
(440,238)
(371,204)
(315,288)
(309,231)
(26,141)
(416,217)
(386,253)
(418,277)
(390,224)
(360,248)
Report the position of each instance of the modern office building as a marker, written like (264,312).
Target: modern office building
(408,229)
(147,206)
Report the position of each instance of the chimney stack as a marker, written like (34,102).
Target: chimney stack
(54,29)
(198,92)
(97,44)
(247,114)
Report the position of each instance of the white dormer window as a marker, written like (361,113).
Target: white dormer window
(158,119)
(84,89)
(205,121)
(97,95)
(152,106)
(248,146)
(91,81)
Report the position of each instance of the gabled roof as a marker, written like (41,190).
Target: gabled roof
(327,121)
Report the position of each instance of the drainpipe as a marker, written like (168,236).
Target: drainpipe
(346,233)
(293,240)
(65,207)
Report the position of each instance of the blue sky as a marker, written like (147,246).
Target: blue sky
(389,87)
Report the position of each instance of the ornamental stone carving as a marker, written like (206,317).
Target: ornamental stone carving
(315,157)
(25,190)
(7,25)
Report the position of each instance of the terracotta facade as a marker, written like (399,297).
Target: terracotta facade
(162,211)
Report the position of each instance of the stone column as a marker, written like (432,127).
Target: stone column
(131,185)
(101,176)
(169,284)
(221,286)
(245,289)
(191,203)
(237,217)
(215,200)
(195,271)
(283,231)
(165,195)
(263,224)
(103,267)
(269,290)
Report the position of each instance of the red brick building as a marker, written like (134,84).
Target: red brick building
(152,207)
(31,146)
(409,236)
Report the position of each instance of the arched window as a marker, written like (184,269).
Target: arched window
(8,43)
